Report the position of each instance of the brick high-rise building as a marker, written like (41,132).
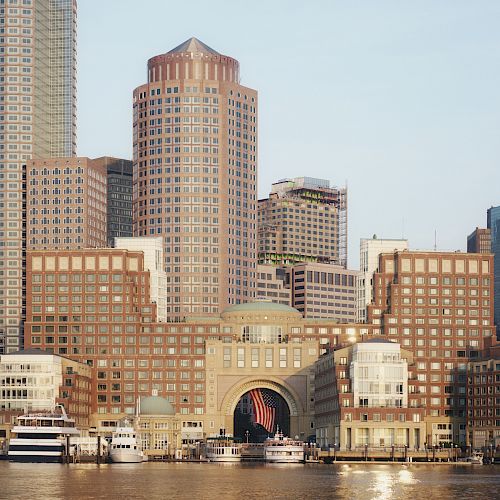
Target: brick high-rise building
(66,203)
(439,306)
(195,176)
(483,400)
(95,306)
(37,119)
(303,220)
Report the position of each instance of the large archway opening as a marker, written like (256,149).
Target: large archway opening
(258,413)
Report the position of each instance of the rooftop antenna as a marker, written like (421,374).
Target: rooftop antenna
(435,240)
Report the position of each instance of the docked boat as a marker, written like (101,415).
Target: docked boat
(476,458)
(282,449)
(41,437)
(223,449)
(125,446)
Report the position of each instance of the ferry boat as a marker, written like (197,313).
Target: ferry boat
(223,449)
(282,449)
(41,437)
(125,447)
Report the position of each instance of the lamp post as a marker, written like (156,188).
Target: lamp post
(247,434)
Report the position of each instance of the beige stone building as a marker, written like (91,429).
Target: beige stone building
(260,355)
(159,427)
(195,176)
(66,203)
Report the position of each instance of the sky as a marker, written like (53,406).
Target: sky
(399,100)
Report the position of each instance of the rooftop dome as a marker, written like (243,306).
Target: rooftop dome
(261,306)
(155,405)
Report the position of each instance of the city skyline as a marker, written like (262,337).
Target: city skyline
(406,85)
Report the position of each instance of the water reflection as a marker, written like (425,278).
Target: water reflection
(242,481)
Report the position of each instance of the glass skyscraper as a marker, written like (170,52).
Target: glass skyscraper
(493,224)
(37,119)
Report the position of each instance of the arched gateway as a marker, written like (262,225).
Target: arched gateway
(234,395)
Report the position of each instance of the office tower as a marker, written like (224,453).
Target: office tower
(493,224)
(271,285)
(37,119)
(66,203)
(479,241)
(119,202)
(195,176)
(369,251)
(439,306)
(303,220)
(323,291)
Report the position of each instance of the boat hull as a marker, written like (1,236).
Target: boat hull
(35,450)
(226,460)
(32,459)
(284,454)
(124,456)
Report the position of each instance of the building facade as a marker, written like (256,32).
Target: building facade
(483,400)
(153,263)
(159,427)
(66,203)
(119,197)
(479,241)
(369,251)
(95,306)
(439,306)
(363,398)
(303,220)
(271,285)
(36,380)
(195,176)
(38,118)
(323,291)
(493,224)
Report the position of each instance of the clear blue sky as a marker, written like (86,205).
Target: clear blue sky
(400,99)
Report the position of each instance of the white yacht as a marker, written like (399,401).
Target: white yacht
(41,437)
(223,449)
(282,449)
(125,446)
(476,458)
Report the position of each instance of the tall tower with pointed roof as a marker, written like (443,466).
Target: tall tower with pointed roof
(195,176)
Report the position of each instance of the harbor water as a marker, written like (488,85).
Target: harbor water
(242,481)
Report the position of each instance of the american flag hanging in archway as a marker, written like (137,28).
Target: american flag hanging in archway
(264,408)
